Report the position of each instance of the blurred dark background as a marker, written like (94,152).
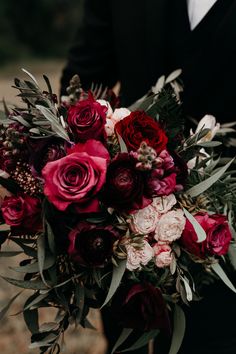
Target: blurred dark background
(37,29)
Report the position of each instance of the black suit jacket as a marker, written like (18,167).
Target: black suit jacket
(137,41)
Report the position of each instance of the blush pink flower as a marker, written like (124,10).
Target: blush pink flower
(170,226)
(137,258)
(163,255)
(163,204)
(144,220)
(119,114)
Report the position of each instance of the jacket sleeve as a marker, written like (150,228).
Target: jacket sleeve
(92,54)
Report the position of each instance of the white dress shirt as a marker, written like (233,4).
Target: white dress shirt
(197,9)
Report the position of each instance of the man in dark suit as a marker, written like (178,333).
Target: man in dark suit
(137,41)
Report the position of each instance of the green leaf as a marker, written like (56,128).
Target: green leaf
(8,305)
(117,275)
(35,301)
(123,147)
(31,316)
(51,238)
(222,275)
(27,284)
(34,267)
(124,335)
(30,75)
(56,126)
(10,253)
(207,183)
(209,144)
(46,342)
(143,340)
(201,234)
(232,254)
(41,255)
(179,330)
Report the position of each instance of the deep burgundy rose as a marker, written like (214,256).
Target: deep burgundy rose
(22,211)
(87,119)
(139,127)
(141,307)
(217,231)
(124,184)
(92,245)
(44,151)
(77,178)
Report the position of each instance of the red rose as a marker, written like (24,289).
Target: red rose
(124,184)
(77,178)
(22,211)
(141,307)
(217,231)
(139,127)
(92,245)
(87,120)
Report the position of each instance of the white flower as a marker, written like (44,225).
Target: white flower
(144,220)
(163,255)
(106,104)
(109,127)
(170,226)
(207,122)
(203,155)
(119,114)
(137,258)
(164,204)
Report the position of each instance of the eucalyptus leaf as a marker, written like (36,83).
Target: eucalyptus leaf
(117,275)
(232,254)
(123,147)
(35,301)
(123,336)
(8,305)
(201,234)
(26,284)
(178,331)
(46,342)
(10,253)
(209,144)
(143,340)
(51,238)
(207,183)
(34,267)
(222,275)
(56,126)
(30,75)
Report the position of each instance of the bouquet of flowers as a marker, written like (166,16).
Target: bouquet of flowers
(113,207)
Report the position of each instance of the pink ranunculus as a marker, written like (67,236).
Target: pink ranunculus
(144,220)
(163,204)
(163,255)
(170,226)
(87,119)
(136,258)
(77,178)
(23,211)
(217,231)
(161,186)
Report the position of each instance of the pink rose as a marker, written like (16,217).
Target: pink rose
(217,231)
(77,178)
(163,255)
(87,120)
(170,226)
(136,258)
(144,220)
(22,211)
(163,204)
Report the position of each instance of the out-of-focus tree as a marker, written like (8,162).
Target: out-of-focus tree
(37,27)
